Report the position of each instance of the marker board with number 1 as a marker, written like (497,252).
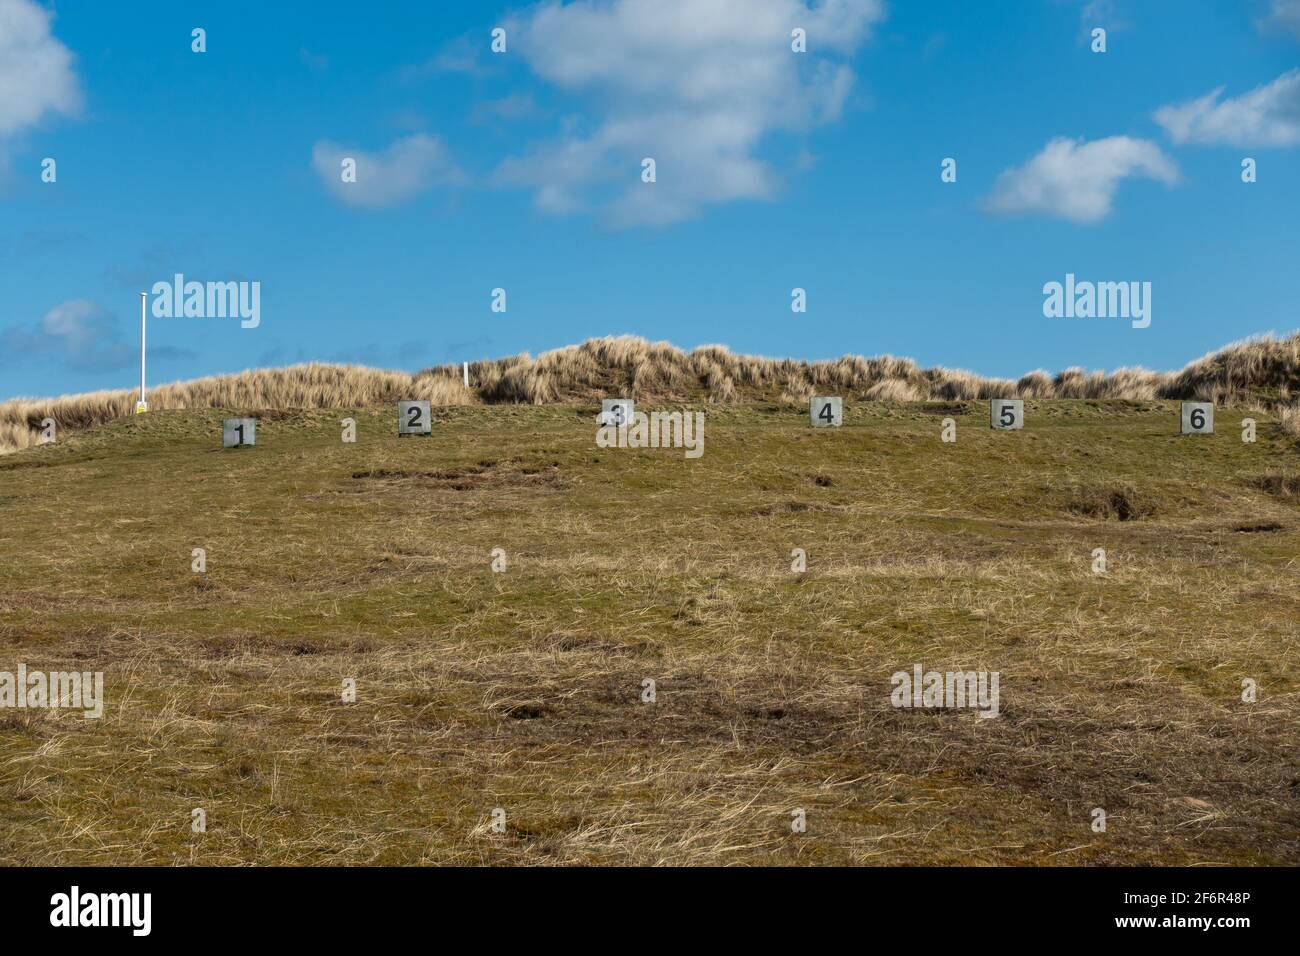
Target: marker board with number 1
(236,432)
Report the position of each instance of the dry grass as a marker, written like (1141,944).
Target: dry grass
(313,385)
(1263,370)
(1288,417)
(522,690)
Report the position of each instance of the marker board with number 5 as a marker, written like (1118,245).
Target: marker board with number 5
(1198,418)
(616,412)
(238,431)
(414,418)
(1006,414)
(826,412)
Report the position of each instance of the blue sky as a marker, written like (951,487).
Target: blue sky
(522,171)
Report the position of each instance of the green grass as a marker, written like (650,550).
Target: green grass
(521,690)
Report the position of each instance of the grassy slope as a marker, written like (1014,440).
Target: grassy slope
(521,690)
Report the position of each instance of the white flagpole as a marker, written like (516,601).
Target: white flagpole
(142,405)
(467,374)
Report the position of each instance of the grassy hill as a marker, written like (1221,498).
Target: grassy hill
(522,689)
(1263,373)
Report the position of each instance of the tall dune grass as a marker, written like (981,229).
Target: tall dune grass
(314,385)
(1263,370)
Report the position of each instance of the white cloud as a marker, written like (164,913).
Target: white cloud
(1284,14)
(36,75)
(1076,180)
(462,55)
(695,84)
(405,169)
(77,325)
(512,108)
(1268,115)
(1101,13)
(317,62)
(79,332)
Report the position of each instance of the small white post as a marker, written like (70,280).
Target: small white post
(142,405)
(466,364)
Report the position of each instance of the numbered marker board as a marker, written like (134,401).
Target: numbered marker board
(1198,418)
(1007,413)
(414,418)
(616,412)
(826,412)
(238,431)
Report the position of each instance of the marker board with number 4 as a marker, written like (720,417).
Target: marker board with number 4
(1198,418)
(826,412)
(236,432)
(1007,413)
(414,418)
(616,412)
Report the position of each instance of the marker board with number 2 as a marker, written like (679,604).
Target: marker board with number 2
(414,418)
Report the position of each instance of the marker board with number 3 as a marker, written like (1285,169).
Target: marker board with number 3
(414,418)
(1198,418)
(236,432)
(616,412)
(826,412)
(1006,414)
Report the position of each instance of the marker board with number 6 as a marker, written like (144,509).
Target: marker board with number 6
(826,412)
(1198,418)
(238,431)
(1006,414)
(414,418)
(616,412)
